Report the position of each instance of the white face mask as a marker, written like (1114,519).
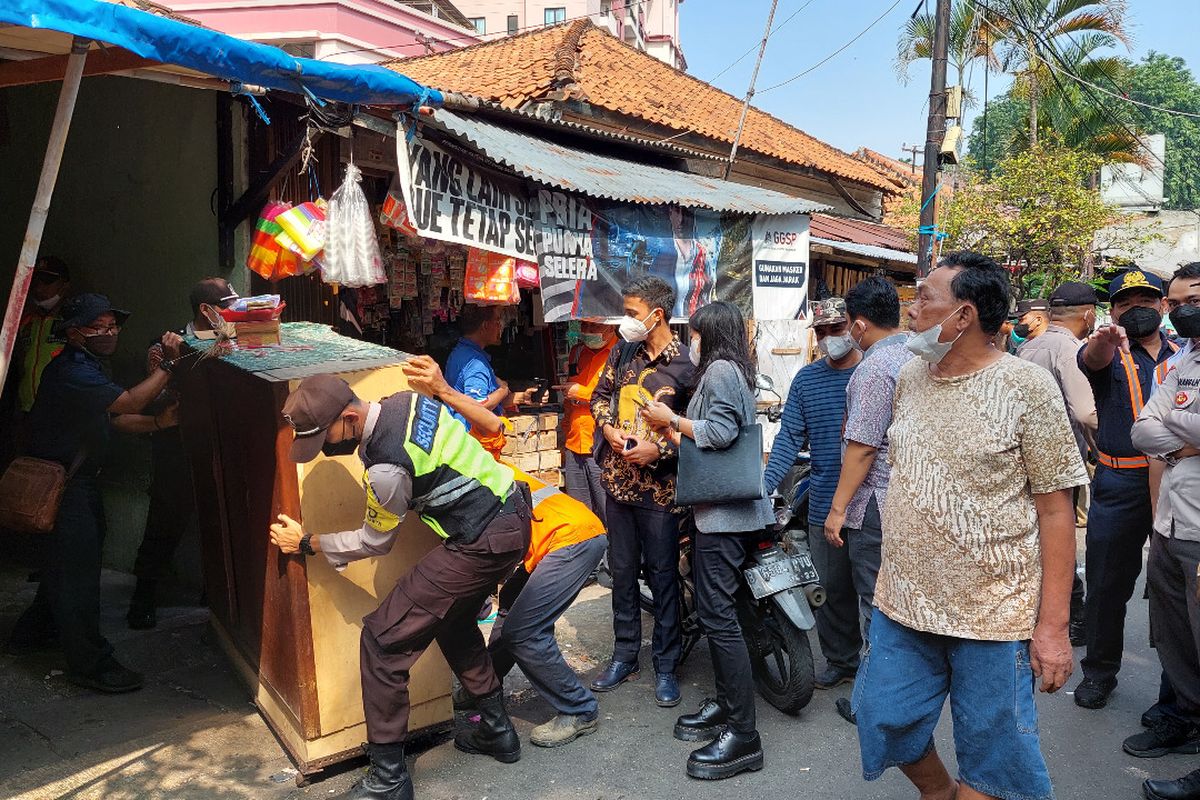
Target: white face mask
(694,351)
(857,343)
(48,303)
(928,345)
(633,329)
(836,347)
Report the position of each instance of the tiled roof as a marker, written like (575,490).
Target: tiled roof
(843,229)
(588,63)
(895,169)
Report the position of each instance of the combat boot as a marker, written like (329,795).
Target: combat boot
(494,735)
(387,779)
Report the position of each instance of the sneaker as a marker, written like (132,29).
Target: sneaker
(1185,788)
(110,678)
(1093,692)
(1166,735)
(833,676)
(563,729)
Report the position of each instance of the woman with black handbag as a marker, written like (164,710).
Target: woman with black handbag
(720,479)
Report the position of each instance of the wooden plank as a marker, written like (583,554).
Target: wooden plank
(54,68)
(256,196)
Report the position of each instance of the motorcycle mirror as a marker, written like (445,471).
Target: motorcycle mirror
(764,383)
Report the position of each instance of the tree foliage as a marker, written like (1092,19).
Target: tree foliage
(1165,81)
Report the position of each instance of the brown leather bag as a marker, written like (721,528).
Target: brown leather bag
(31,491)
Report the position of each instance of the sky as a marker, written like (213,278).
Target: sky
(856,99)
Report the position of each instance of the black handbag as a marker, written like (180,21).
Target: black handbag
(721,476)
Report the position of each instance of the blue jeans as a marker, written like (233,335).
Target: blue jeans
(903,681)
(525,633)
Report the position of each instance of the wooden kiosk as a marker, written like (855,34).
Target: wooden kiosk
(291,624)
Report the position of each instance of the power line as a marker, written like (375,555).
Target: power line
(471,36)
(1102,90)
(755,45)
(827,58)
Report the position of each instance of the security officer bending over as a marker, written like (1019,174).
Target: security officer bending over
(416,456)
(1122,362)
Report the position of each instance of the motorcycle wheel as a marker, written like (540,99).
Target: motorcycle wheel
(782,660)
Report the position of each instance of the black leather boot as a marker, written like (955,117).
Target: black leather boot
(729,754)
(143,606)
(387,779)
(494,735)
(703,726)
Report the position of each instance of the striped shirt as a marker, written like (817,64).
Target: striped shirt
(816,406)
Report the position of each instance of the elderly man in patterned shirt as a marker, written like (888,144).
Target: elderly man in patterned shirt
(973,594)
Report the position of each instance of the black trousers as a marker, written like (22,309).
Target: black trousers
(1119,522)
(638,536)
(437,600)
(1171,574)
(717,561)
(68,597)
(172,506)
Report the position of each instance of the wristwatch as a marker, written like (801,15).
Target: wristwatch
(675,423)
(167,365)
(306,545)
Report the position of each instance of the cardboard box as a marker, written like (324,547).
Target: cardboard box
(530,443)
(550,477)
(522,425)
(538,462)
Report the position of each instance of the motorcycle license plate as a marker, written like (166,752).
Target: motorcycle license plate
(768,579)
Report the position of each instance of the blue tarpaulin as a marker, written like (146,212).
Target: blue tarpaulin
(218,54)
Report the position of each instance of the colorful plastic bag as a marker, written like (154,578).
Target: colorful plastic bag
(490,279)
(394,214)
(263,257)
(304,227)
(352,256)
(527,274)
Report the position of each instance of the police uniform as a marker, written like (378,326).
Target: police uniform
(1170,420)
(1120,518)
(418,457)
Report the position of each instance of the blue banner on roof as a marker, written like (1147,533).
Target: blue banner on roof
(217,54)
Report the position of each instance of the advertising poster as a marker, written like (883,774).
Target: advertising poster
(781,266)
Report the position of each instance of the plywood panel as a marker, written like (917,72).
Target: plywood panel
(332,499)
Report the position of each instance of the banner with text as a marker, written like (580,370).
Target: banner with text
(780,266)
(458,200)
(588,248)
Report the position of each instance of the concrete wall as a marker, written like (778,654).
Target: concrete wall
(131,216)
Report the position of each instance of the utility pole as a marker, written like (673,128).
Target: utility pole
(912,149)
(934,135)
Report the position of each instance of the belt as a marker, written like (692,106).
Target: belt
(1130,462)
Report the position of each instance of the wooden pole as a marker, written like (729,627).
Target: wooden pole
(933,136)
(762,48)
(41,201)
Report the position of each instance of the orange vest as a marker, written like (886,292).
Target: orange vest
(559,520)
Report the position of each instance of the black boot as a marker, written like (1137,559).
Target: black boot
(703,726)
(387,779)
(143,613)
(494,735)
(729,754)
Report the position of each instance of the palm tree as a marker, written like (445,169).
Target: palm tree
(973,35)
(1040,36)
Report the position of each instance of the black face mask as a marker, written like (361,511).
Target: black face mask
(1021,330)
(1140,321)
(101,345)
(1186,320)
(345,447)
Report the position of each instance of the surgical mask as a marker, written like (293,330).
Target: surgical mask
(927,344)
(592,341)
(48,303)
(694,352)
(1140,321)
(343,448)
(1186,320)
(633,329)
(837,347)
(1021,331)
(101,345)
(855,343)
(1016,340)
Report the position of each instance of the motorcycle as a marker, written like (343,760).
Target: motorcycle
(780,591)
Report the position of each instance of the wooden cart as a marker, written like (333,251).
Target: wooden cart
(291,624)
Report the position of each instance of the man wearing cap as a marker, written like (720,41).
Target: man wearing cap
(1122,361)
(1072,317)
(1032,320)
(36,345)
(76,406)
(812,420)
(172,503)
(416,456)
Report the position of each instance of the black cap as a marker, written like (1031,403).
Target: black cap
(315,405)
(1074,293)
(1032,304)
(81,310)
(214,292)
(52,267)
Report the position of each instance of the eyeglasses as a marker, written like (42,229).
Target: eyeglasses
(106,330)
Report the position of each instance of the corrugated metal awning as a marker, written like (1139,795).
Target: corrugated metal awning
(576,170)
(868,250)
